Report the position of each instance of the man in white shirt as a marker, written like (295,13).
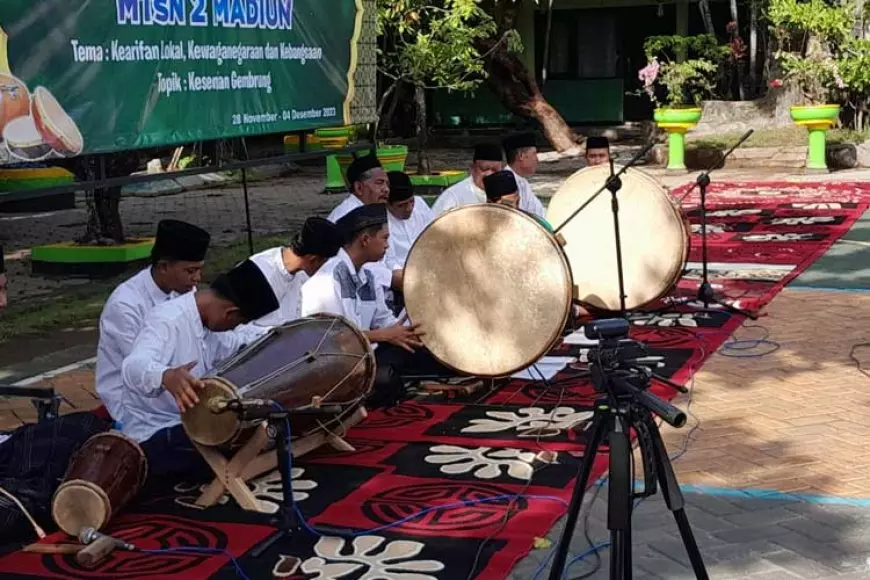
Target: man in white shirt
(4,281)
(176,267)
(369,184)
(521,154)
(597,151)
(408,215)
(180,341)
(287,269)
(487,160)
(345,288)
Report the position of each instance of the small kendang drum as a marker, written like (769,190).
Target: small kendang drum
(654,237)
(490,287)
(103,476)
(322,359)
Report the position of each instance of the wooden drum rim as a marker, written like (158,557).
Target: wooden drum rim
(411,272)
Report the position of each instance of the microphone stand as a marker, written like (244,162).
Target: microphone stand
(613,185)
(286,520)
(706,295)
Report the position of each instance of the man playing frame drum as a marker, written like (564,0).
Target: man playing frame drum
(345,288)
(181,340)
(369,184)
(287,269)
(176,268)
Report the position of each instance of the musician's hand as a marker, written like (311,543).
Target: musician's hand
(183,386)
(407,337)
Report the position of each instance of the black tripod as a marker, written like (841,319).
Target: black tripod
(621,407)
(706,295)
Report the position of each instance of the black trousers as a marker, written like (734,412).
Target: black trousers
(171,456)
(394,366)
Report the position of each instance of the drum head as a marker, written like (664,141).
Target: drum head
(653,237)
(490,288)
(205,427)
(80,504)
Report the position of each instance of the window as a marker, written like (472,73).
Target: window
(583,44)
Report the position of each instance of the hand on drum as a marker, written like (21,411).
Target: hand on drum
(183,386)
(407,337)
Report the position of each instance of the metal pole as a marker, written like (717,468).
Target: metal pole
(248,212)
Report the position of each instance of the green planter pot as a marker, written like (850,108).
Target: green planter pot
(676,122)
(392,157)
(69,259)
(817,119)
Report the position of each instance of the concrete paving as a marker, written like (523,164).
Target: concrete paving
(768,537)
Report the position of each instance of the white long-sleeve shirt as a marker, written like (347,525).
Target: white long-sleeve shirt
(172,336)
(466,193)
(120,322)
(403,233)
(286,286)
(382,271)
(529,202)
(339,289)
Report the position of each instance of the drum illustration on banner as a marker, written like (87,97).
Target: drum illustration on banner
(32,125)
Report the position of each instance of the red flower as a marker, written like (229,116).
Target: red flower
(775,83)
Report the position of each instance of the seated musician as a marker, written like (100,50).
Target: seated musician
(369,184)
(288,268)
(487,160)
(176,267)
(597,151)
(4,281)
(407,214)
(182,340)
(521,154)
(345,288)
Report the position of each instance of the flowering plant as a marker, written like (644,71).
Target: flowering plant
(685,81)
(811,36)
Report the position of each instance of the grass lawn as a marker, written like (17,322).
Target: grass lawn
(783,137)
(80,306)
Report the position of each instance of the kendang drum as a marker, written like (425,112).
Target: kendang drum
(103,476)
(322,359)
(654,237)
(490,288)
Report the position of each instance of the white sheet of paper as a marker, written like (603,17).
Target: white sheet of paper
(548,367)
(579,337)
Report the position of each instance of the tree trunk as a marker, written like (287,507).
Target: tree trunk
(104,226)
(704,7)
(422,131)
(738,65)
(518,91)
(516,87)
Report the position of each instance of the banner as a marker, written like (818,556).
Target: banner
(96,76)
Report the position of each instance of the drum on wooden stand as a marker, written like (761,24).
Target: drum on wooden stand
(490,287)
(654,237)
(322,359)
(103,476)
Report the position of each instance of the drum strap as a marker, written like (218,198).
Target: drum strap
(39,531)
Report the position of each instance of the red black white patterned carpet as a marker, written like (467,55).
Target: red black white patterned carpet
(425,454)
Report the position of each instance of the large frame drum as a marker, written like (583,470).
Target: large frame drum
(103,476)
(654,237)
(490,288)
(322,359)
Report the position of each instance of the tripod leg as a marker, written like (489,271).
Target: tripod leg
(619,499)
(674,498)
(599,427)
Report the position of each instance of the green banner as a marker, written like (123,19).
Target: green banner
(96,76)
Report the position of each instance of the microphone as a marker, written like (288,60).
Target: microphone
(90,535)
(252,409)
